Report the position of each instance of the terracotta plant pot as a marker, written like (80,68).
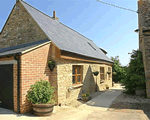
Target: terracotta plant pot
(107,88)
(43,109)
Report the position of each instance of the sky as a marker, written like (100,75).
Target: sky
(108,27)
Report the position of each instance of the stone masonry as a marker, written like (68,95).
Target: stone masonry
(144,38)
(64,78)
(20,28)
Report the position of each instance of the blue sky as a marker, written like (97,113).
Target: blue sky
(110,28)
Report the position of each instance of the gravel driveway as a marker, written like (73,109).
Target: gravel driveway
(131,104)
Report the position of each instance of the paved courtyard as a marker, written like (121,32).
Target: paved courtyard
(95,109)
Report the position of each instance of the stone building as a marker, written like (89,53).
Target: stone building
(144,38)
(28,40)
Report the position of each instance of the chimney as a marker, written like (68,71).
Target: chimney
(54,15)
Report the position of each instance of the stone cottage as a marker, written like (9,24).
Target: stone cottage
(28,40)
(144,38)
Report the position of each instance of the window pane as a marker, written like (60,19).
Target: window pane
(102,70)
(109,76)
(73,70)
(109,69)
(102,76)
(78,70)
(73,80)
(78,79)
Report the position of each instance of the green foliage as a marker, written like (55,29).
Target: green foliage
(86,94)
(96,73)
(135,78)
(118,71)
(41,92)
(51,62)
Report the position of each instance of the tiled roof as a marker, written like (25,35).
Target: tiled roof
(64,37)
(20,48)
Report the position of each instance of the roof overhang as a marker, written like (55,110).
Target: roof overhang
(21,51)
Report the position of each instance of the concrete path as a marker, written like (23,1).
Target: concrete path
(95,109)
(103,101)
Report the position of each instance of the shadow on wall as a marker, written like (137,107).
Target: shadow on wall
(52,75)
(47,74)
(89,84)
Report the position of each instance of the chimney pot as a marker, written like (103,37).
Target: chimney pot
(54,15)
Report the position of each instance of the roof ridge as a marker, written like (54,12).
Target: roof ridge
(37,9)
(53,19)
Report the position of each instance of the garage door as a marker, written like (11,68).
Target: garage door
(6,86)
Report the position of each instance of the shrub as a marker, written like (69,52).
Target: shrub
(135,78)
(118,71)
(41,92)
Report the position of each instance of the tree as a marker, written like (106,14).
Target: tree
(135,78)
(119,72)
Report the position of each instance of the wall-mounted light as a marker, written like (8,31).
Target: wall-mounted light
(70,88)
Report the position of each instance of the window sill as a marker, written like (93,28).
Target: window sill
(77,86)
(102,81)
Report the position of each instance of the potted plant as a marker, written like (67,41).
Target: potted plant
(108,72)
(95,73)
(41,96)
(107,87)
(51,64)
(86,96)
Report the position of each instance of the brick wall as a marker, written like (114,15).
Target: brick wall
(20,29)
(64,78)
(34,66)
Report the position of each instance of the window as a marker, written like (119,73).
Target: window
(109,70)
(76,74)
(102,73)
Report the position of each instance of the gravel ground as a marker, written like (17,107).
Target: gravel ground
(123,97)
(130,103)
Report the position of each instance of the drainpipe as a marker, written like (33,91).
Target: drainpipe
(18,83)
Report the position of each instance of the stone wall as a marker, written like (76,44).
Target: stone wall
(20,28)
(64,78)
(144,38)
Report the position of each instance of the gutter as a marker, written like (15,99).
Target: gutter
(18,82)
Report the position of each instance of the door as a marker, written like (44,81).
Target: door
(6,86)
